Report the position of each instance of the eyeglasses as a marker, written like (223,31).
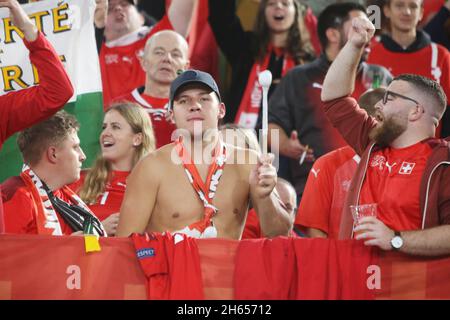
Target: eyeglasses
(396,95)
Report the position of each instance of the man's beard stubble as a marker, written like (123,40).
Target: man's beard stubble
(390,129)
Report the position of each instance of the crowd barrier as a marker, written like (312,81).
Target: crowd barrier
(46,267)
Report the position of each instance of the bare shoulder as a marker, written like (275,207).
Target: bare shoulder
(159,156)
(154,163)
(244,158)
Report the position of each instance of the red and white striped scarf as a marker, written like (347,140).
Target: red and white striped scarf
(247,114)
(47,220)
(206,191)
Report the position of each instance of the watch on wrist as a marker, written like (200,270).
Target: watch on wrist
(397,241)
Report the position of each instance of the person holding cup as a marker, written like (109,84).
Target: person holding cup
(403,168)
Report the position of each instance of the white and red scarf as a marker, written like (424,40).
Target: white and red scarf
(247,114)
(206,191)
(47,220)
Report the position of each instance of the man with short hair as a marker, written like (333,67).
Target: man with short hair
(195,185)
(403,168)
(165,55)
(295,108)
(406,49)
(125,38)
(20,109)
(39,201)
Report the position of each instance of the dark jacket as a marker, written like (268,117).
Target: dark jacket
(354,124)
(239,47)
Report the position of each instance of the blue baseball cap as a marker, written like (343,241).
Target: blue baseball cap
(190,77)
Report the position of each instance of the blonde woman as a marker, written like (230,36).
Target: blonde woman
(126,137)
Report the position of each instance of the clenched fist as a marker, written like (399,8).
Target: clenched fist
(361,32)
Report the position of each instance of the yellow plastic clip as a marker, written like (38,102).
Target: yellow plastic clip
(91,243)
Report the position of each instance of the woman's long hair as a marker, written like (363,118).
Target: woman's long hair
(298,44)
(97,177)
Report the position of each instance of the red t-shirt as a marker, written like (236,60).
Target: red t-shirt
(20,210)
(110,201)
(120,67)
(393,182)
(156,109)
(325,191)
(171,264)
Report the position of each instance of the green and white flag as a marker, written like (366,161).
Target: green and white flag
(69,26)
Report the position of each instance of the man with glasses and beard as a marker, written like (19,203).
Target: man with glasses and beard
(403,168)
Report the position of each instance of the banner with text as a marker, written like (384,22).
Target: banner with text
(69,26)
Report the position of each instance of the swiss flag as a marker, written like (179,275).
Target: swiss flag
(407,167)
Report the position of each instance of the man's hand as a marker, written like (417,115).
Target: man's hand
(100,14)
(294,149)
(361,32)
(20,19)
(263,177)
(374,232)
(110,224)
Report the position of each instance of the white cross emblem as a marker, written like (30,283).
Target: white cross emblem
(407,168)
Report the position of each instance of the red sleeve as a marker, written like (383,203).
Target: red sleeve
(21,109)
(163,24)
(353,123)
(19,213)
(314,209)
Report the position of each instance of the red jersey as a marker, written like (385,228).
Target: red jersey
(419,62)
(157,109)
(171,264)
(331,174)
(424,58)
(110,200)
(393,181)
(20,210)
(119,64)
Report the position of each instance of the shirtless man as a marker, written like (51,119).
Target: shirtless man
(160,197)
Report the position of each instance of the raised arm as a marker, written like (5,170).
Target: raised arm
(340,78)
(23,108)
(353,123)
(273,216)
(100,13)
(180,15)
(20,19)
(140,197)
(227,29)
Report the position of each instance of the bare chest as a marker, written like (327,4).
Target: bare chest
(178,203)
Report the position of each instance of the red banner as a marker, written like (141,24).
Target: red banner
(46,267)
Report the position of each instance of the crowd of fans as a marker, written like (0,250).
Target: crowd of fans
(161,63)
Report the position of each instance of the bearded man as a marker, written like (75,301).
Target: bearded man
(403,168)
